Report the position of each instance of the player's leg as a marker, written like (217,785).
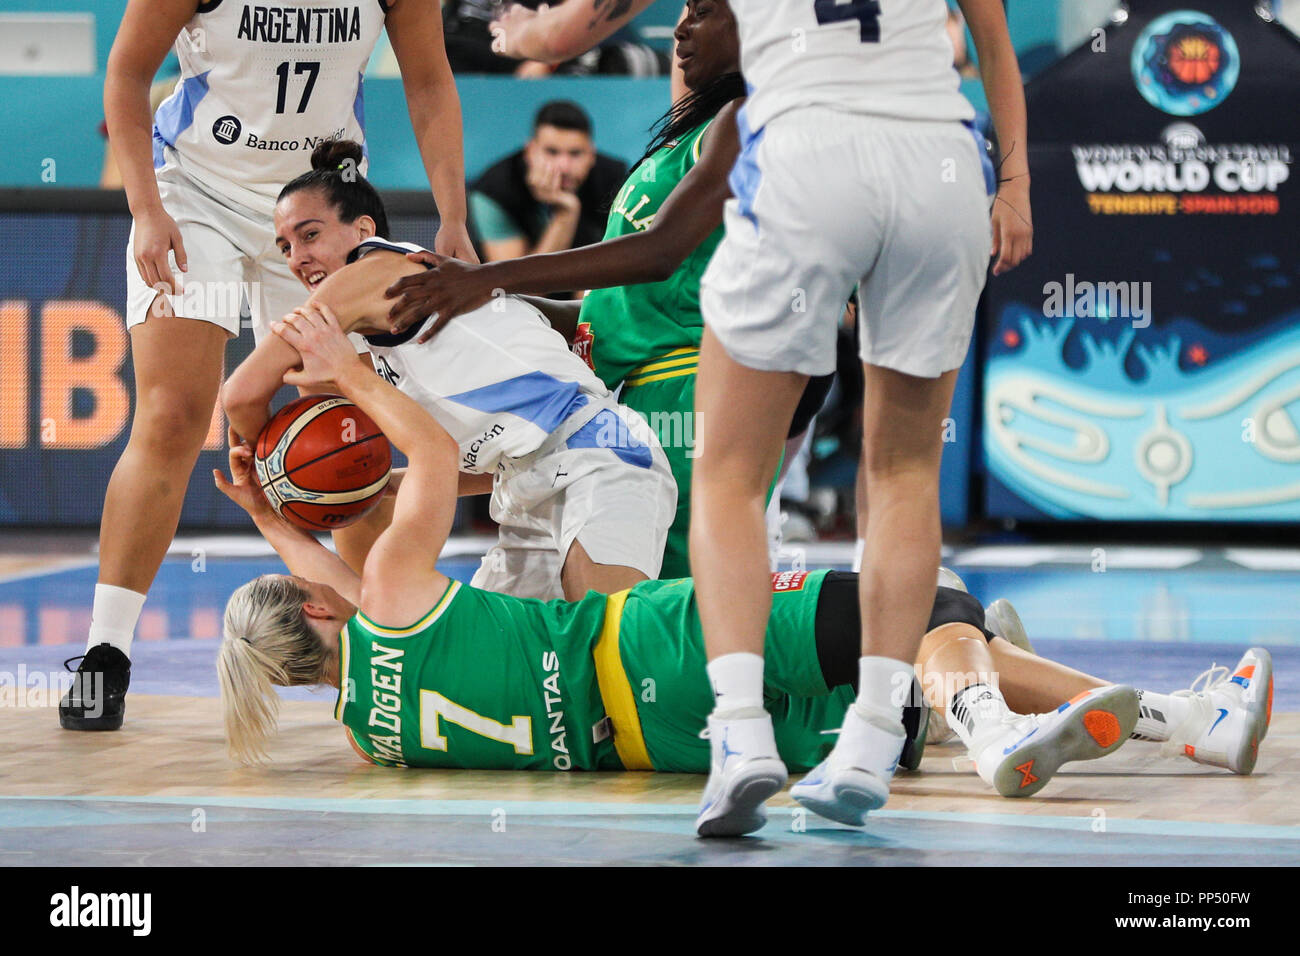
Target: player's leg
(903,417)
(740,449)
(740,444)
(609,499)
(918,301)
(177,364)
(1220,721)
(1016,753)
(581,574)
(798,234)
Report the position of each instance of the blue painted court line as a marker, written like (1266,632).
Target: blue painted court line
(62,815)
(262,830)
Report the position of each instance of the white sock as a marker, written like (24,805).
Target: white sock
(114,616)
(859,547)
(1159,715)
(884,687)
(974,708)
(737,681)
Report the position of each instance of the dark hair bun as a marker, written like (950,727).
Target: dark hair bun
(333,153)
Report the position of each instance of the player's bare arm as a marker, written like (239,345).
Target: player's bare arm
(415,32)
(149,27)
(688,216)
(354,294)
(559,33)
(1013,230)
(301,552)
(399,582)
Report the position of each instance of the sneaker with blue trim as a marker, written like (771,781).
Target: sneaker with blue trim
(1230,714)
(745,771)
(854,779)
(1018,755)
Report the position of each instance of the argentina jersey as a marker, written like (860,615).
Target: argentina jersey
(499,379)
(262,83)
(875,57)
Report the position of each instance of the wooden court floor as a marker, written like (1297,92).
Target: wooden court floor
(162,791)
(169,759)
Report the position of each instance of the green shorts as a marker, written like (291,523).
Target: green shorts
(661,646)
(668,405)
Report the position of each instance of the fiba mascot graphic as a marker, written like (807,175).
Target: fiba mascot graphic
(1184,63)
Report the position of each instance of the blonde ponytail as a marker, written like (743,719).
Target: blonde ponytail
(267,641)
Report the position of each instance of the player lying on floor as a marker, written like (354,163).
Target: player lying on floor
(981,674)
(583,493)
(436,674)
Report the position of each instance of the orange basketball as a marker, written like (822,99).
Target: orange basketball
(1194,60)
(322,462)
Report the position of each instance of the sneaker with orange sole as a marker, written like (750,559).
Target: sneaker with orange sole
(1020,756)
(1230,714)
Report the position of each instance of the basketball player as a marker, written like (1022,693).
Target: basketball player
(640,327)
(857,165)
(260,85)
(443,675)
(583,493)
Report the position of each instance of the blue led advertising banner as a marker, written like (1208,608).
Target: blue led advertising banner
(66,385)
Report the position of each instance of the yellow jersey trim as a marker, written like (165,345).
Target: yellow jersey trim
(453,588)
(647,379)
(616,691)
(671,360)
(345,652)
(698,145)
(670,365)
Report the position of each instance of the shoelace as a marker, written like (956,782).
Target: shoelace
(1202,711)
(79,657)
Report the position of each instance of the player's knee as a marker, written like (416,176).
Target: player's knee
(952,606)
(171,422)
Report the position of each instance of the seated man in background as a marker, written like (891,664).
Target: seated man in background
(552,195)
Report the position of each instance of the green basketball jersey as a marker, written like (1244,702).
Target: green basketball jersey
(624,328)
(491,682)
(484,681)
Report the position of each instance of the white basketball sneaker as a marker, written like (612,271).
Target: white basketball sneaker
(1229,714)
(1001,618)
(949,578)
(1019,755)
(854,779)
(745,771)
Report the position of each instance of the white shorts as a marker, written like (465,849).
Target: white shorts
(232,260)
(618,503)
(824,200)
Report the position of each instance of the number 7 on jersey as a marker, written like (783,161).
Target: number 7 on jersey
(518,733)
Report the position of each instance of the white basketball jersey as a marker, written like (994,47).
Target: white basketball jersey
(261,85)
(499,378)
(878,57)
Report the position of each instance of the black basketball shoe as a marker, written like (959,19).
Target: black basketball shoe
(97,698)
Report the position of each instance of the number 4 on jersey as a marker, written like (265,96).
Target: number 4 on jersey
(866,12)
